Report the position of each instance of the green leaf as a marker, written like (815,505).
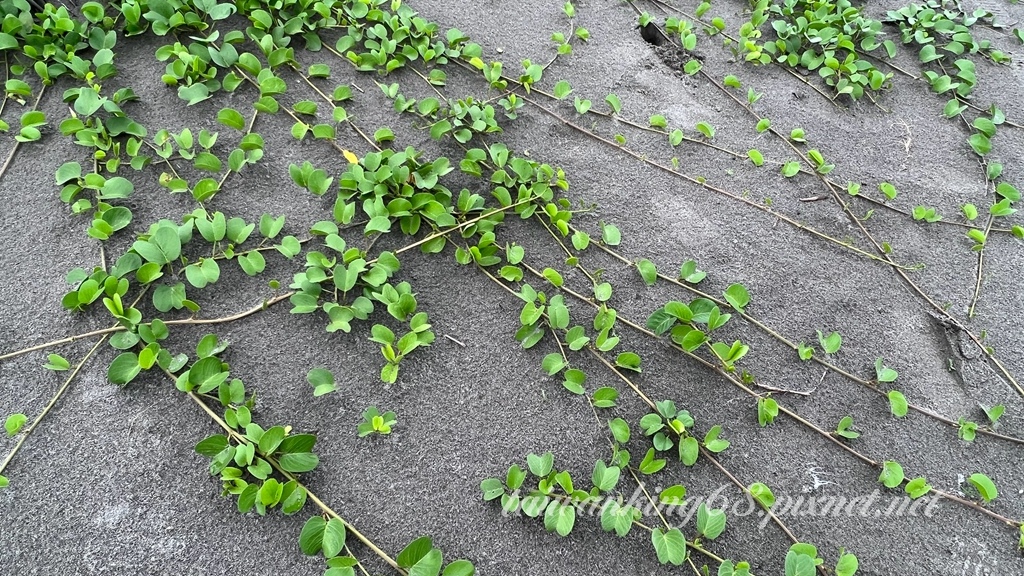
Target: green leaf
(980,144)
(673,495)
(605,477)
(737,296)
(712,442)
(492,488)
(985,486)
(617,517)
(710,522)
(756,157)
(212,445)
(562,89)
(892,474)
(14,423)
(670,546)
(333,538)
(161,248)
(459,568)
(897,403)
(762,494)
(844,428)
(311,539)
(231,118)
(322,381)
(271,439)
(830,343)
(553,363)
(429,565)
(574,380)
(767,411)
(124,368)
(799,564)
(847,565)
(917,487)
(299,462)
(629,361)
(610,235)
(68,172)
(689,272)
(884,373)
(689,450)
(1008,191)
(559,518)
(706,129)
(650,464)
(620,430)
(540,466)
(614,103)
(647,271)
(207,374)
(57,363)
(605,397)
(414,552)
(994,413)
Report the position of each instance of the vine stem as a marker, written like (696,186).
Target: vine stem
(53,401)
(119,328)
(7,162)
(980,270)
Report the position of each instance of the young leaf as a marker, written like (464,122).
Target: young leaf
(14,423)
(985,486)
(897,403)
(767,411)
(56,363)
(562,89)
(762,494)
(689,272)
(830,343)
(845,428)
(884,373)
(737,296)
(614,103)
(994,413)
(917,487)
(892,474)
(647,271)
(650,464)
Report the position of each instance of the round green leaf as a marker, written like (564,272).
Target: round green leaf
(124,368)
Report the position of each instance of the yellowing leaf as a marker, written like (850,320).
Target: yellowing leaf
(352,158)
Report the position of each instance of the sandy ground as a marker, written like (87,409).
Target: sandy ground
(109,482)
